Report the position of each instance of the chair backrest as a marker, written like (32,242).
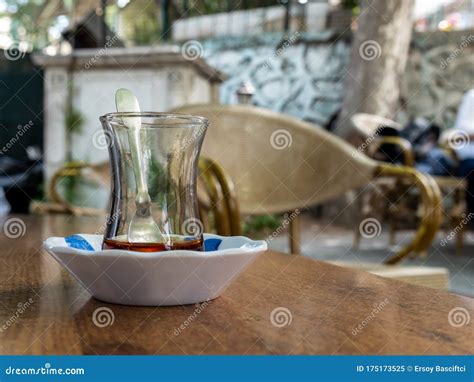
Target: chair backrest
(279,163)
(368,125)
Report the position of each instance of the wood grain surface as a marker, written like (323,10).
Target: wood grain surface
(282,304)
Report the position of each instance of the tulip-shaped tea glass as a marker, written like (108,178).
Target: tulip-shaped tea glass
(153,181)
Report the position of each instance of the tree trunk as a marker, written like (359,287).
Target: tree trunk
(378,57)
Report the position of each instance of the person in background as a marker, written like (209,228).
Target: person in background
(431,158)
(462,138)
(4,205)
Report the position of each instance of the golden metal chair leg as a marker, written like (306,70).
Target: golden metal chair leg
(228,194)
(204,216)
(295,236)
(431,221)
(220,189)
(356,238)
(459,199)
(436,220)
(70,169)
(431,201)
(460,239)
(392,233)
(357,234)
(214,192)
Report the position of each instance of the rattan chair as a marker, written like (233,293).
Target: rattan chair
(281,164)
(452,188)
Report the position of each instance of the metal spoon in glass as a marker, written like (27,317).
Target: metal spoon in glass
(142,228)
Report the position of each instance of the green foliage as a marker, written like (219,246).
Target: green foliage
(161,186)
(256,224)
(350,4)
(141,22)
(23,16)
(145,32)
(69,185)
(207,7)
(353,5)
(74,121)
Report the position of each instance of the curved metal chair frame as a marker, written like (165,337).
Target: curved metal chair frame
(367,125)
(216,196)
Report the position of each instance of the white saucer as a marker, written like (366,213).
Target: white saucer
(158,278)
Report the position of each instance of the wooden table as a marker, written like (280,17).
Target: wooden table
(318,307)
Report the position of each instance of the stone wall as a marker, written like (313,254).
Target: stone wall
(301,76)
(440,70)
(304,74)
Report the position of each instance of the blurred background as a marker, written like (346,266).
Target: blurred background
(320,61)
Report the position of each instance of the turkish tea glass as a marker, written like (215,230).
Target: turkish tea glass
(170,145)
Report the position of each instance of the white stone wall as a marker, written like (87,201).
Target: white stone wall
(55,98)
(157,90)
(250,22)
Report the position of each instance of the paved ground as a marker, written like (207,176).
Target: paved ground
(328,243)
